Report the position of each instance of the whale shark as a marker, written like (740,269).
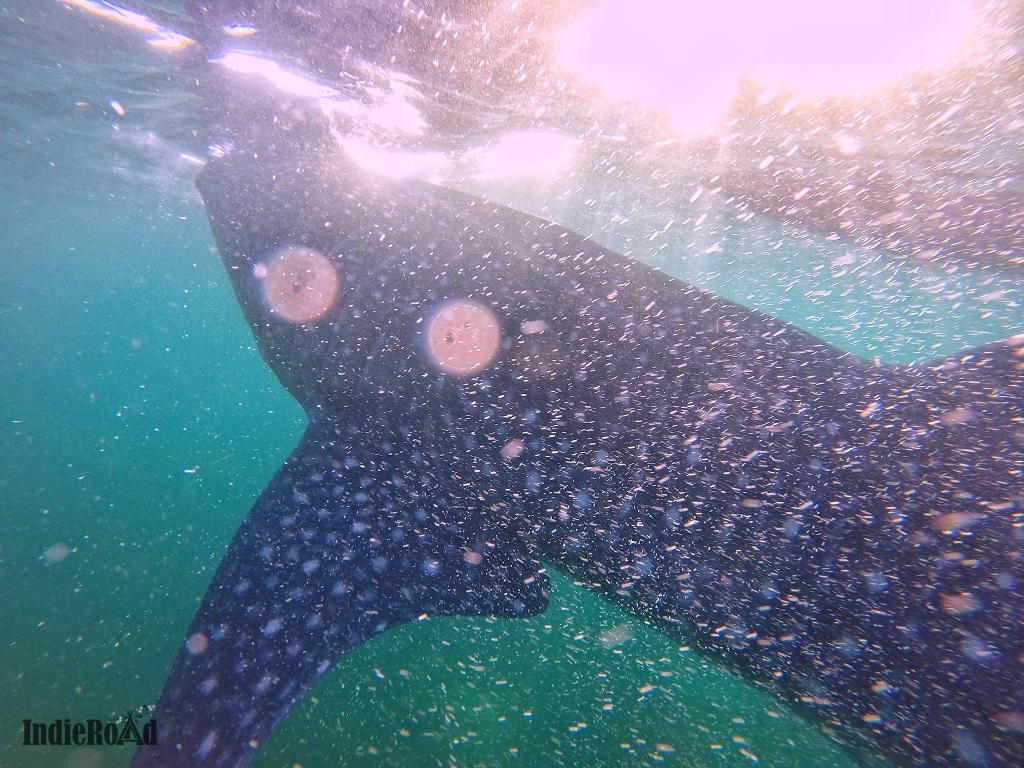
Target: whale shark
(489,394)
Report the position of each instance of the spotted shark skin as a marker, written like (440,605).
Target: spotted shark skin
(844,533)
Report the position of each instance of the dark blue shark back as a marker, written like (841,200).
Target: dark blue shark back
(846,534)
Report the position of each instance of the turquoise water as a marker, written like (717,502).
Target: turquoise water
(138,423)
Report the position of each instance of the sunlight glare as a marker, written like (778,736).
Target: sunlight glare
(688,57)
(394,163)
(526,153)
(160,37)
(250,63)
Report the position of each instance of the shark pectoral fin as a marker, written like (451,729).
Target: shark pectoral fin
(342,545)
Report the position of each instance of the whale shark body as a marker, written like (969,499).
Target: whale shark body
(487,390)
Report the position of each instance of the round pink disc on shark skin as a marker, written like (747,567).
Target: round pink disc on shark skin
(463,337)
(197,643)
(299,284)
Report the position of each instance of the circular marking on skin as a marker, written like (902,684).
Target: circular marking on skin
(299,284)
(463,337)
(513,449)
(960,604)
(1010,721)
(197,643)
(531,327)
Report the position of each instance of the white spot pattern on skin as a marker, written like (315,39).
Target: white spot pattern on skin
(272,628)
(207,744)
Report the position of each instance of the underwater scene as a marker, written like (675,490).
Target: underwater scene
(465,383)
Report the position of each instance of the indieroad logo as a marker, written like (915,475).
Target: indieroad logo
(91,733)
